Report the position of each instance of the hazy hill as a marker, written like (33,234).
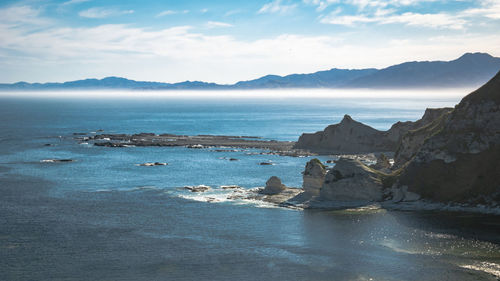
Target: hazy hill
(471,69)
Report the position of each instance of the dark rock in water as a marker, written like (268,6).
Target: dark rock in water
(57,160)
(149,164)
(266,163)
(458,161)
(233,159)
(48,144)
(198,188)
(273,186)
(110,144)
(230,187)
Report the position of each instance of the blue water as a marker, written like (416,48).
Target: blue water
(105,218)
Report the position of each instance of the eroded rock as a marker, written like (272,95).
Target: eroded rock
(273,186)
(313,177)
(351,180)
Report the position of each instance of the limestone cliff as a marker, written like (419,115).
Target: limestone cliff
(350,136)
(313,177)
(351,180)
(459,154)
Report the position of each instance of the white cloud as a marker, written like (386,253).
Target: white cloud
(215,24)
(171,12)
(19,15)
(388,16)
(488,9)
(31,47)
(99,13)
(276,7)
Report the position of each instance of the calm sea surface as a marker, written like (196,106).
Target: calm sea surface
(105,218)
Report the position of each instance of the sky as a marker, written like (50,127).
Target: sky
(226,41)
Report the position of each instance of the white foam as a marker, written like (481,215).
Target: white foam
(488,267)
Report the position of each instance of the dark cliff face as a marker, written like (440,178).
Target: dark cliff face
(350,136)
(458,160)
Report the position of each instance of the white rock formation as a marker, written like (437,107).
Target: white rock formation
(313,177)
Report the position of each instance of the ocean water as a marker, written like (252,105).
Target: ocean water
(103,217)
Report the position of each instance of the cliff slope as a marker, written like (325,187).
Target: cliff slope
(459,157)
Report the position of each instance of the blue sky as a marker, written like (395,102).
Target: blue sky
(226,41)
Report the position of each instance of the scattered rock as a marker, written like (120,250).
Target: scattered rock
(148,164)
(230,187)
(197,146)
(57,160)
(198,188)
(273,186)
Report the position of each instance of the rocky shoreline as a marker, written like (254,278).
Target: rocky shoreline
(284,148)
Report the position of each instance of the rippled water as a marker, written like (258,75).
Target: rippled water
(105,218)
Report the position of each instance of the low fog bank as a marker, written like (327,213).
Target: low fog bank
(448,93)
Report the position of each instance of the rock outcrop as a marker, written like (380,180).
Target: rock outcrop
(313,177)
(458,159)
(351,180)
(273,186)
(350,136)
(383,163)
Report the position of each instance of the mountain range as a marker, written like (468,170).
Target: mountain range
(469,70)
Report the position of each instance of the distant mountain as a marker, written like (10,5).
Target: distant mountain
(471,69)
(333,78)
(110,83)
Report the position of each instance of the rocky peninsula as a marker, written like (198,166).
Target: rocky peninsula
(447,160)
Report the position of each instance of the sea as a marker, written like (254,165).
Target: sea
(104,217)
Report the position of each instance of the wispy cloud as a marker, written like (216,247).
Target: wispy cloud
(232,12)
(438,20)
(276,7)
(20,15)
(321,4)
(216,24)
(488,8)
(99,13)
(71,2)
(171,12)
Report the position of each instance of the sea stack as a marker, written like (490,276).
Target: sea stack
(273,186)
(313,177)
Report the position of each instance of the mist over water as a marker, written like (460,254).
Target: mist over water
(105,218)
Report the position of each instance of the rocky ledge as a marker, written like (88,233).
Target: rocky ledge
(194,142)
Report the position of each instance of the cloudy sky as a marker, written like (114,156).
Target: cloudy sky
(229,40)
